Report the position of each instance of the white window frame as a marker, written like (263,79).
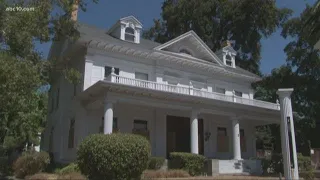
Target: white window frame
(129,34)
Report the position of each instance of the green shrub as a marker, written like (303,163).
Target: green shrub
(156,163)
(192,163)
(72,176)
(42,176)
(153,174)
(113,156)
(71,168)
(30,163)
(304,164)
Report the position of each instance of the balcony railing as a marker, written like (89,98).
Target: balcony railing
(190,91)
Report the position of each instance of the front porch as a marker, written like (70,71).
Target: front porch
(221,131)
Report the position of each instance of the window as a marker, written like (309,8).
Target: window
(71,134)
(140,125)
(184,51)
(228,60)
(222,131)
(58,98)
(114,124)
(220,90)
(108,70)
(222,140)
(238,93)
(129,34)
(74,90)
(242,141)
(141,76)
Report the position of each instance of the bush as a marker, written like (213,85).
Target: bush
(113,156)
(30,163)
(156,163)
(152,174)
(72,176)
(71,168)
(42,176)
(304,164)
(192,163)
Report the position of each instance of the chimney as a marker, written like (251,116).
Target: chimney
(74,13)
(225,43)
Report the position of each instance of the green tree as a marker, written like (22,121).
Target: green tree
(24,71)
(245,22)
(302,73)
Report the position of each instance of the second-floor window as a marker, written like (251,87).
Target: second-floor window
(108,70)
(238,93)
(220,90)
(141,76)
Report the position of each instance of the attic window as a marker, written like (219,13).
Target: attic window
(129,34)
(228,60)
(184,51)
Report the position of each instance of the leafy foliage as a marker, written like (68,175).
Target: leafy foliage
(24,72)
(30,163)
(244,22)
(113,156)
(176,173)
(71,168)
(192,163)
(302,73)
(72,176)
(156,162)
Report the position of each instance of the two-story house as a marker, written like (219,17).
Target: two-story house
(180,95)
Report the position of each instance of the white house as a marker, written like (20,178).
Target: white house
(180,95)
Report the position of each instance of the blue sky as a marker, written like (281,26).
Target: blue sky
(107,12)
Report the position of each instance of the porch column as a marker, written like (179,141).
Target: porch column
(287,118)
(108,118)
(236,138)
(194,132)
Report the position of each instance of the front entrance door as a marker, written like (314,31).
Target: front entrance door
(178,135)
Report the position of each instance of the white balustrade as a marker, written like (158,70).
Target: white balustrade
(190,91)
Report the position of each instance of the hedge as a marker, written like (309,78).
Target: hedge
(113,156)
(30,163)
(192,163)
(71,168)
(156,163)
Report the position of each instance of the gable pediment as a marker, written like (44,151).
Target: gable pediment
(189,45)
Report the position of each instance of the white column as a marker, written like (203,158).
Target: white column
(236,138)
(108,118)
(286,112)
(194,132)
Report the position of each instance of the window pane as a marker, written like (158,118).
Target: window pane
(129,30)
(238,93)
(108,69)
(129,37)
(141,76)
(220,90)
(140,125)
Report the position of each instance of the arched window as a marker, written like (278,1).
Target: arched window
(184,51)
(228,60)
(129,34)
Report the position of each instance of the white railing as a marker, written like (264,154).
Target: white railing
(190,91)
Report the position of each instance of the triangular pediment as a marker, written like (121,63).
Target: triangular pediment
(189,45)
(131,19)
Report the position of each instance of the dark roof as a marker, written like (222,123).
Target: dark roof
(95,33)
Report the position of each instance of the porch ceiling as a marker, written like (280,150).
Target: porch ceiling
(95,96)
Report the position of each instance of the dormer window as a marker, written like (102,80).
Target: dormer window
(228,60)
(129,34)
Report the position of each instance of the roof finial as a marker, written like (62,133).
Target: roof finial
(226,43)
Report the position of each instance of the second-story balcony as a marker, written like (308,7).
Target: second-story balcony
(190,91)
